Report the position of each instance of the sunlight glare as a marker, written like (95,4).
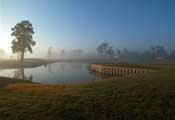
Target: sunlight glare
(5,41)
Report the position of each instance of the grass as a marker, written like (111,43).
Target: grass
(146,97)
(28,63)
(4,81)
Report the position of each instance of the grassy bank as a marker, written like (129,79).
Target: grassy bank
(148,97)
(5,81)
(28,63)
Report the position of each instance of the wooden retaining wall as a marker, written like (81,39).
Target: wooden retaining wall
(110,70)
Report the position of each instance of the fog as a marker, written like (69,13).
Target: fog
(101,52)
(107,51)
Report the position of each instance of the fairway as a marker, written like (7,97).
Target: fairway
(140,97)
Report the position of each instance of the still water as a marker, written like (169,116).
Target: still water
(56,73)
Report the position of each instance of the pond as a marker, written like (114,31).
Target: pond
(56,73)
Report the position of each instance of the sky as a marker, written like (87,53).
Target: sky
(73,24)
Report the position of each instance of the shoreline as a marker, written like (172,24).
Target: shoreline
(28,63)
(5,81)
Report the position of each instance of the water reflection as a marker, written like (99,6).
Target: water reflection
(109,75)
(76,66)
(20,74)
(56,73)
(62,67)
(49,67)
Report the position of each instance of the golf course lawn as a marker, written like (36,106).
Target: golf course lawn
(146,97)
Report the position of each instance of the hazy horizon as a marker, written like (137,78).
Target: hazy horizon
(70,25)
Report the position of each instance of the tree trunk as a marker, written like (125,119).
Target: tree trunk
(22,57)
(22,73)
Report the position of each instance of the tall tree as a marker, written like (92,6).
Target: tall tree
(101,49)
(105,50)
(23,38)
(171,56)
(158,52)
(110,52)
(50,53)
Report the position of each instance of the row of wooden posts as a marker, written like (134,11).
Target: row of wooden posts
(106,70)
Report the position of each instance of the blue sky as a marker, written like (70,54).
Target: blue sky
(70,24)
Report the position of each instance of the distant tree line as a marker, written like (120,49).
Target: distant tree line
(106,51)
(158,52)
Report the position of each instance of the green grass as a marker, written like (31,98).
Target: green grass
(28,63)
(4,81)
(147,97)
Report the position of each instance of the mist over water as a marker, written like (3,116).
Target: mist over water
(57,73)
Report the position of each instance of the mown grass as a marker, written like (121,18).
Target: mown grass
(147,97)
(4,81)
(28,63)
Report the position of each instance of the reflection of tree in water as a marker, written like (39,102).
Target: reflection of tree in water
(76,66)
(49,66)
(19,74)
(62,67)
